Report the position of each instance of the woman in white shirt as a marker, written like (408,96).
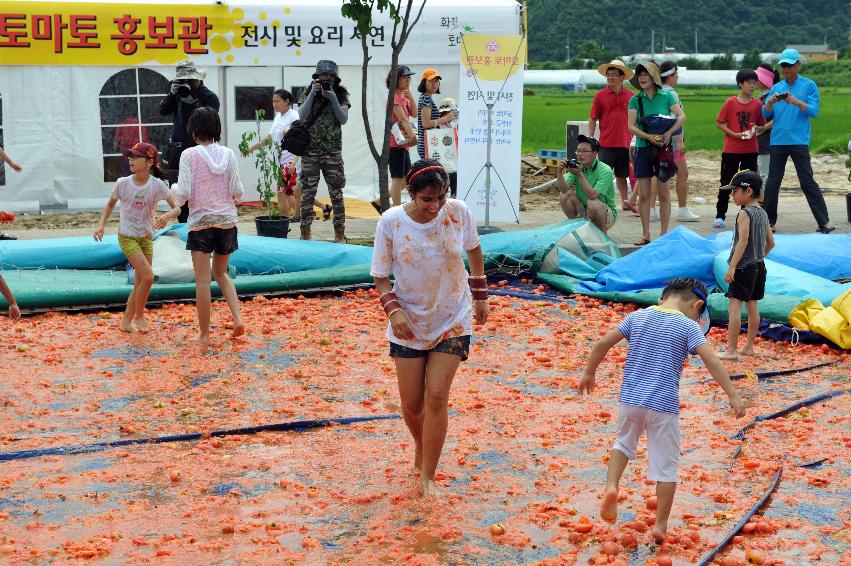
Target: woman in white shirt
(431,304)
(289,199)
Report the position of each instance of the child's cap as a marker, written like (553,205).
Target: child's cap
(144,150)
(746,179)
(765,76)
(446,104)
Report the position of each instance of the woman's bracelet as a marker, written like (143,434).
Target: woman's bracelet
(390,303)
(394,311)
(479,287)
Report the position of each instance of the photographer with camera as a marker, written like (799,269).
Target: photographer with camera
(186,93)
(588,188)
(324,108)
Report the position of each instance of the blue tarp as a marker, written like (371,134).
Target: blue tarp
(785,280)
(256,254)
(826,256)
(680,253)
(683,253)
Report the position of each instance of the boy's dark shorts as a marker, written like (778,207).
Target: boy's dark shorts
(748,283)
(222,241)
(617,158)
(458,346)
(400,162)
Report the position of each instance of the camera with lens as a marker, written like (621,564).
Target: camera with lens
(326,84)
(183,87)
(571,164)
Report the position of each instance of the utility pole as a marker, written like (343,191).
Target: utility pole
(695,42)
(568,48)
(652,43)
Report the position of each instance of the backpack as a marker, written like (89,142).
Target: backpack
(297,137)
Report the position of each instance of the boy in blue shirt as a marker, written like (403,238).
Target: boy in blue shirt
(660,339)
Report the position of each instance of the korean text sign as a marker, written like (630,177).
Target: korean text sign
(491,73)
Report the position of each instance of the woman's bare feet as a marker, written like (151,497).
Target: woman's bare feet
(729,355)
(746,351)
(429,489)
(203,343)
(142,325)
(126,326)
(659,532)
(609,506)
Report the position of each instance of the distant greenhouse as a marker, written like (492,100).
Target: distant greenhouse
(578,80)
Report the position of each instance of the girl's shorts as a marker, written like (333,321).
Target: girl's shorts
(458,346)
(132,244)
(222,241)
(663,439)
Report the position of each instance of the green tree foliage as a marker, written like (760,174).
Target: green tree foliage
(722,25)
(692,63)
(723,62)
(751,60)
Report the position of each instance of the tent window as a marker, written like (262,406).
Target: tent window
(251,98)
(129,113)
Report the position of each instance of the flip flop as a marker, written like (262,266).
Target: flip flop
(376,206)
(641,242)
(629,206)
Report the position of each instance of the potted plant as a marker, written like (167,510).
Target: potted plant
(266,160)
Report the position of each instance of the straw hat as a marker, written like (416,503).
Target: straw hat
(617,64)
(652,69)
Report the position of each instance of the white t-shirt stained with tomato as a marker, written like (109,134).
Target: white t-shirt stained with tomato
(427,263)
(138,203)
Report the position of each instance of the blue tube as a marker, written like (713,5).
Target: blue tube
(100,446)
(708,558)
(773,373)
(529,296)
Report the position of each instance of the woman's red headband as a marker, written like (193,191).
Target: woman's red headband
(424,169)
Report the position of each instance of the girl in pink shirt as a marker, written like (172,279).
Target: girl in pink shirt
(209,180)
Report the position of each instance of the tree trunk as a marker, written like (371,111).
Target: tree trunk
(382,159)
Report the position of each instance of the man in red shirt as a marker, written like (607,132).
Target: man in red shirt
(610,110)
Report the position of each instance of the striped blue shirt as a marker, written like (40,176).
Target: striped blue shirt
(660,340)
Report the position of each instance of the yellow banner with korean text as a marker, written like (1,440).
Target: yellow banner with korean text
(288,32)
(84,33)
(493,57)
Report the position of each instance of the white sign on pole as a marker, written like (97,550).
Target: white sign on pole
(491,98)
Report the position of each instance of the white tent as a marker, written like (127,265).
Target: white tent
(65,114)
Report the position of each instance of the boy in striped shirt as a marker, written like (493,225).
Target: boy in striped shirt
(660,339)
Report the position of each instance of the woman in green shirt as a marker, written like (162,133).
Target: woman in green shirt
(651,100)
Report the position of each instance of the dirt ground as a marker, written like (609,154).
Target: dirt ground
(829,170)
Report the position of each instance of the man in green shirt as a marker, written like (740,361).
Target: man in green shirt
(588,191)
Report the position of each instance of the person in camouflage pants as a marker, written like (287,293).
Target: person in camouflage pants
(325,105)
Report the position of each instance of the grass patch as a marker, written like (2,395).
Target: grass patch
(545,113)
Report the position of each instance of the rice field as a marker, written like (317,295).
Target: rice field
(544,115)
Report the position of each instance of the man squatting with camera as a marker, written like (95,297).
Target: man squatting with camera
(186,93)
(588,188)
